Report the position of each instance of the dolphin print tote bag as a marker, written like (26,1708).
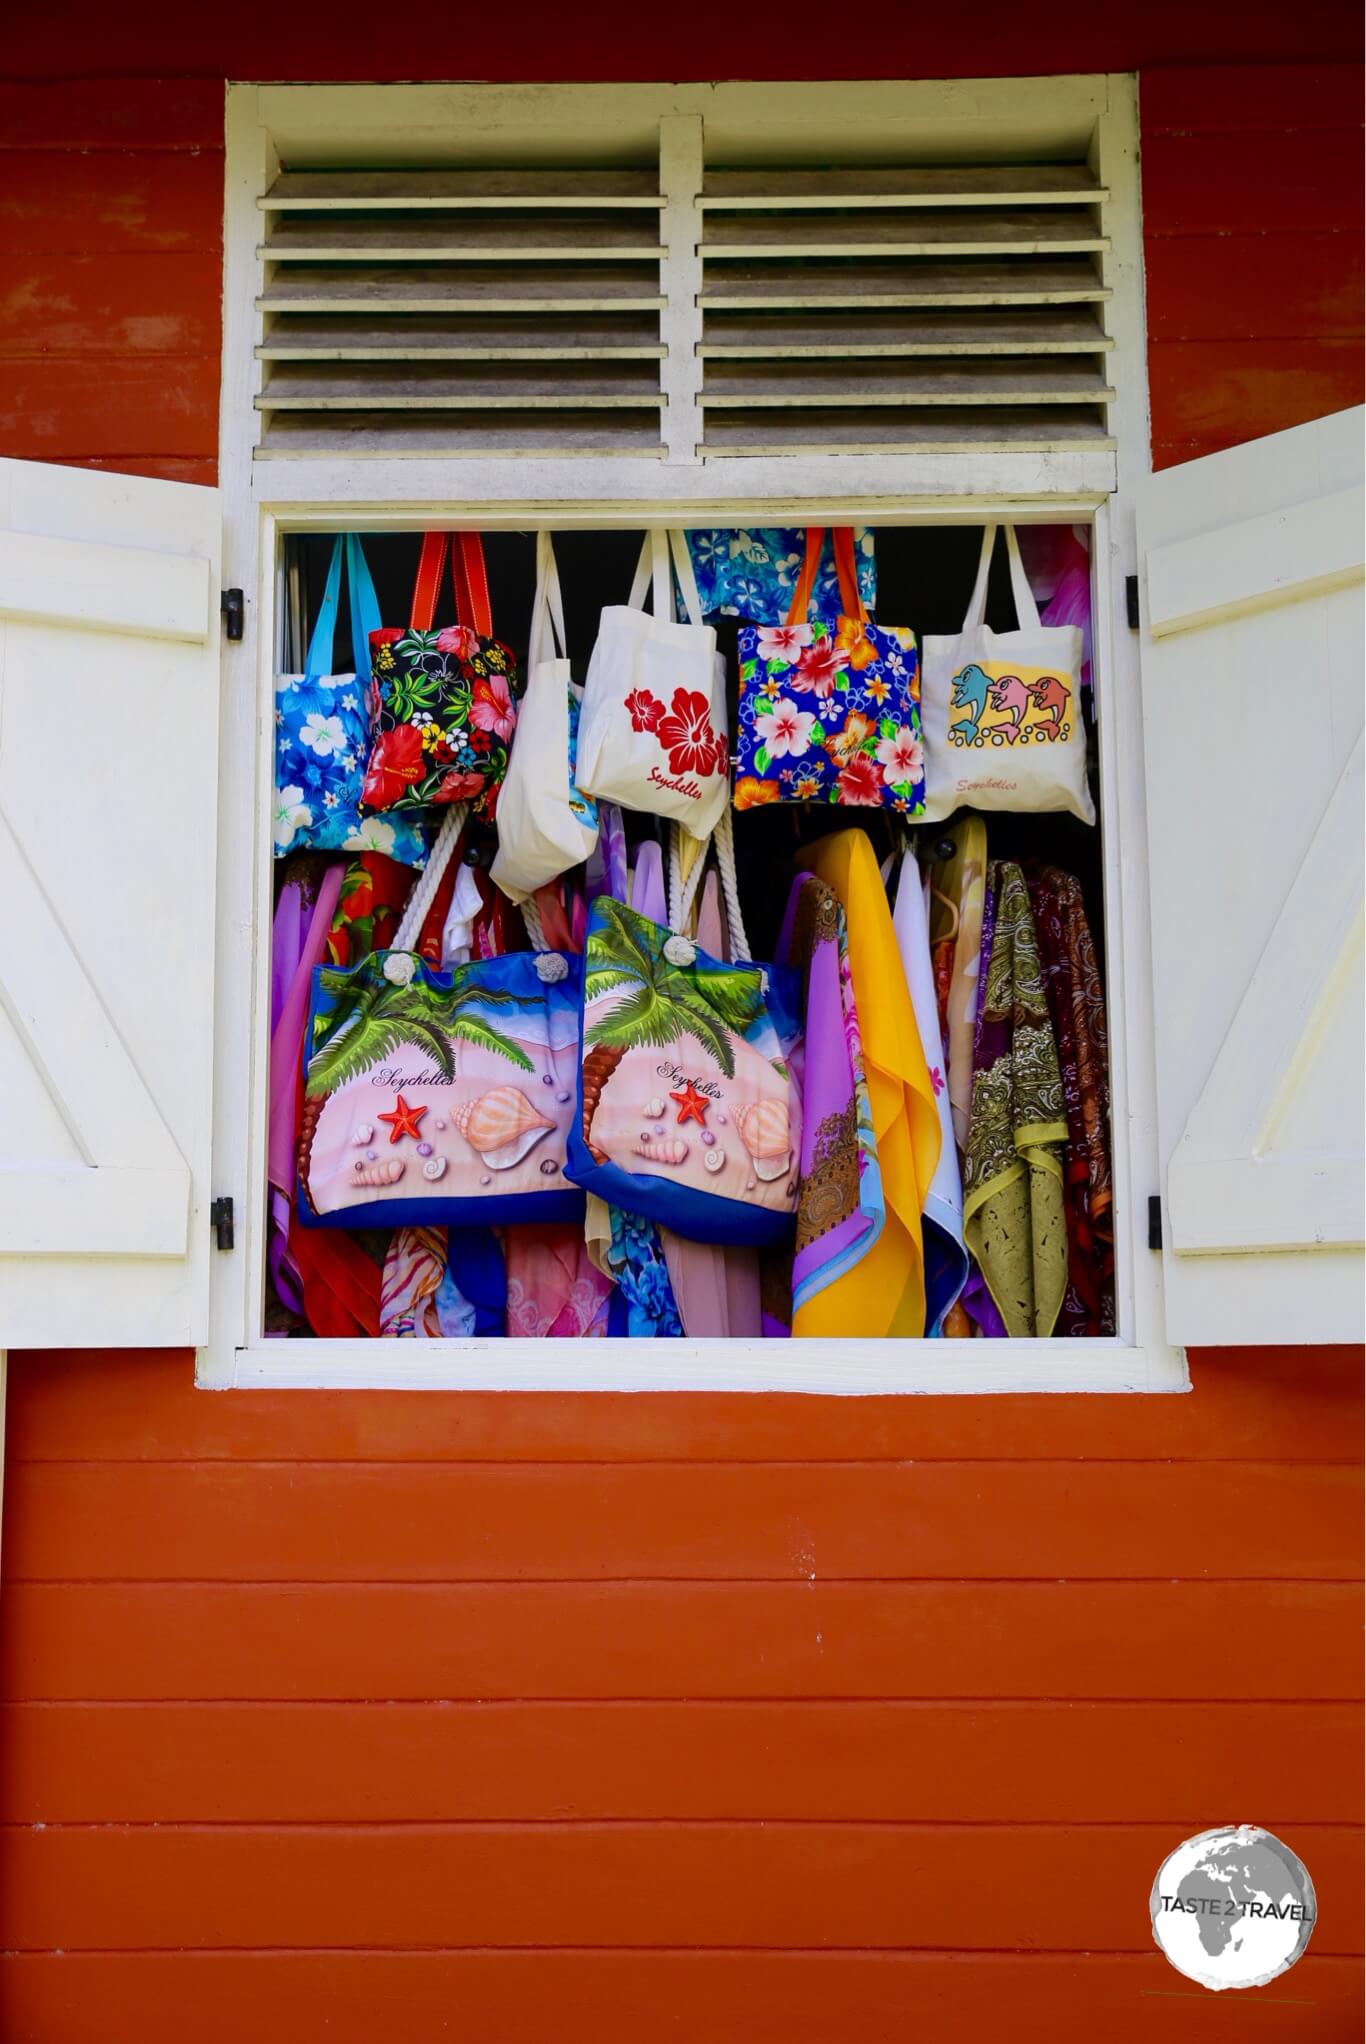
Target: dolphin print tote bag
(653,731)
(545,825)
(1002,710)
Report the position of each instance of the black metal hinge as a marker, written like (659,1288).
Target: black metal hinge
(1155,1220)
(1130,602)
(233,605)
(220,1220)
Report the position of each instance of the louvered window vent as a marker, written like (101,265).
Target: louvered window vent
(810,311)
(493,313)
(902,311)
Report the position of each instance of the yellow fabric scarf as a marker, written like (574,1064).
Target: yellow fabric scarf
(884,1293)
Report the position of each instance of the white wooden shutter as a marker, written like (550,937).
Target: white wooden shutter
(1253,657)
(108,799)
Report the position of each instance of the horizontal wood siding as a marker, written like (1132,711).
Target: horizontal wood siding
(317,1705)
(1252,222)
(111,274)
(739,1720)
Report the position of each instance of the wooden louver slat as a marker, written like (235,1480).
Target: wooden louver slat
(885,233)
(901,431)
(1027,330)
(1047,184)
(490,435)
(384,337)
(494,288)
(740,384)
(457,238)
(771,286)
(436,190)
(455,386)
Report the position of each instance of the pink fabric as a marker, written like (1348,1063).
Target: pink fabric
(298,939)
(554,1292)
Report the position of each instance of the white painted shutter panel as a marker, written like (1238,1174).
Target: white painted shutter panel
(1252,704)
(108,814)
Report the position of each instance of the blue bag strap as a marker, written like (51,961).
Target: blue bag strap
(365,617)
(319,659)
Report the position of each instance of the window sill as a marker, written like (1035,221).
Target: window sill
(822,1368)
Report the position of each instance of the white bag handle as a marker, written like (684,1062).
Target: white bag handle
(1026,609)
(683,894)
(547,607)
(423,892)
(653,569)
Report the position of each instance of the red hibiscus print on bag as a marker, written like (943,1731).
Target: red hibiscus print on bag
(817,667)
(396,764)
(458,639)
(644,710)
(492,707)
(860,783)
(687,736)
(458,787)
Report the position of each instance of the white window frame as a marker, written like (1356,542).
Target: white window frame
(266,500)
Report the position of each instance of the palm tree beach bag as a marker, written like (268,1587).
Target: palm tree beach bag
(1001,711)
(652,733)
(440,1098)
(686,1111)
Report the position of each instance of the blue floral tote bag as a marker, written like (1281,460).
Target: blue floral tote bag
(830,711)
(754,573)
(323,731)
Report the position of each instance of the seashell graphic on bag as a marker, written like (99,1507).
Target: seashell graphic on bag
(387,1173)
(486,1051)
(502,1126)
(765,1131)
(662,1149)
(671,1055)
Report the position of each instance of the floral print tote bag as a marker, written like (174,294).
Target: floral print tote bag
(445,702)
(653,729)
(830,711)
(686,1110)
(322,734)
(752,573)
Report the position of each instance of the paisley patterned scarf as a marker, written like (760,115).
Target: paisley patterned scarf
(1076,1003)
(1013,1206)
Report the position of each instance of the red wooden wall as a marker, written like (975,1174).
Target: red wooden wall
(731,1720)
(776,1720)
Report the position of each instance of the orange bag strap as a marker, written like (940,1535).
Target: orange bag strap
(806,581)
(472,584)
(431,565)
(468,573)
(851,601)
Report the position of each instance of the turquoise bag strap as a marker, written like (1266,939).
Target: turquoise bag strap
(365,617)
(324,631)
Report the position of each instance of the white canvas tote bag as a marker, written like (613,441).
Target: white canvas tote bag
(1002,718)
(545,824)
(653,733)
